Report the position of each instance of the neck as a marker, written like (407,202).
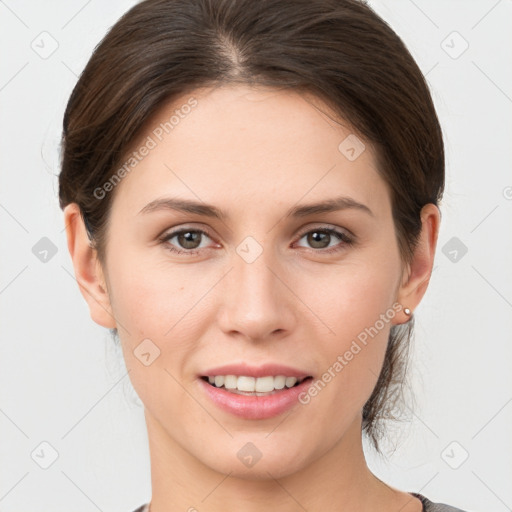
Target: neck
(336,480)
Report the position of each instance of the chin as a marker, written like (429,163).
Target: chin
(259,472)
(256,460)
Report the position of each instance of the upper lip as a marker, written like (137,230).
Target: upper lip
(263,370)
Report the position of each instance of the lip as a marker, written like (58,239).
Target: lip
(255,371)
(255,407)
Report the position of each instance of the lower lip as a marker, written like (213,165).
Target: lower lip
(255,407)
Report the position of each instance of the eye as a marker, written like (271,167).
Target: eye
(188,240)
(322,238)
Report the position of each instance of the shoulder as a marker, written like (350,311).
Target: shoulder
(429,506)
(142,508)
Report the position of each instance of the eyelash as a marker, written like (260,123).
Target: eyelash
(342,236)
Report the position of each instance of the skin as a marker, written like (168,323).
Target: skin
(254,153)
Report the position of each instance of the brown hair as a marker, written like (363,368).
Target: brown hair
(341,51)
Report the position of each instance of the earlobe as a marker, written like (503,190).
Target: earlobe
(417,273)
(88,271)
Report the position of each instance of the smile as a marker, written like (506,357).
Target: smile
(254,398)
(254,386)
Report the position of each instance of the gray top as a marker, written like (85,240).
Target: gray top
(428,506)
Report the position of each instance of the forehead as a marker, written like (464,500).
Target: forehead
(237,143)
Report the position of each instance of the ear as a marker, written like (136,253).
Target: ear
(88,271)
(416,275)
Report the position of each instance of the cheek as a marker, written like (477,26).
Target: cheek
(158,327)
(154,298)
(158,322)
(356,303)
(349,298)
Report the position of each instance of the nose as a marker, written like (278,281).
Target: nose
(257,302)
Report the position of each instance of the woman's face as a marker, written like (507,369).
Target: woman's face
(266,289)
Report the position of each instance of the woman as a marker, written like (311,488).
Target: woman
(251,192)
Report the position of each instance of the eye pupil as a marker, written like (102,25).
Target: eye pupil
(315,238)
(189,239)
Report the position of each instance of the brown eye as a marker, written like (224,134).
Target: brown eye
(318,239)
(326,240)
(188,241)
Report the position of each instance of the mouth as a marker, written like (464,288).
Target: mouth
(254,398)
(254,386)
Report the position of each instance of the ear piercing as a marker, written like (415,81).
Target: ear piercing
(407,311)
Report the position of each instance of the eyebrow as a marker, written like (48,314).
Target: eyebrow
(208,210)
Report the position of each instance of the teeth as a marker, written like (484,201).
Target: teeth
(290,381)
(246,384)
(279,382)
(251,384)
(230,382)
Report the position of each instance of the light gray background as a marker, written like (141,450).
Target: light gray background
(61,381)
